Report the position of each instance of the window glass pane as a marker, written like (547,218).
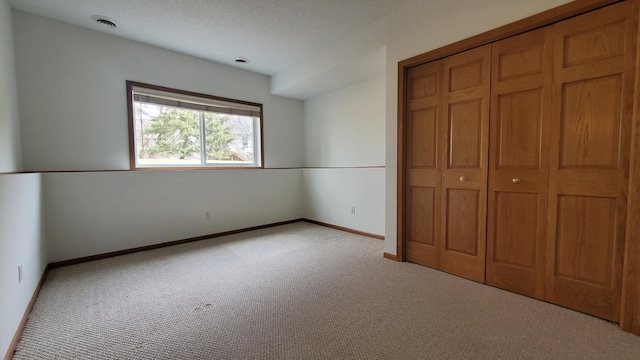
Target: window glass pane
(167,135)
(227,139)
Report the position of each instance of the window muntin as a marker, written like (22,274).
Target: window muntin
(178,129)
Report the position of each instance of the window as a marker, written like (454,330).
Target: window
(171,128)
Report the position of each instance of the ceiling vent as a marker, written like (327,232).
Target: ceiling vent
(104,21)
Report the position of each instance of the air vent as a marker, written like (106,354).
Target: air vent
(104,21)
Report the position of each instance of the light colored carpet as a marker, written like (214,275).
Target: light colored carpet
(298,291)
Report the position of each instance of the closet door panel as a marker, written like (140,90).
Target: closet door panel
(589,132)
(516,239)
(422,137)
(519,126)
(522,78)
(603,39)
(462,221)
(465,128)
(585,255)
(465,134)
(465,73)
(584,252)
(594,81)
(423,169)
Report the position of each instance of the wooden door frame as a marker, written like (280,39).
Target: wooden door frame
(630,302)
(630,307)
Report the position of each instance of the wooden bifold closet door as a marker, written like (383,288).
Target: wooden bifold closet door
(521,87)
(424,166)
(590,147)
(516,160)
(465,131)
(446,157)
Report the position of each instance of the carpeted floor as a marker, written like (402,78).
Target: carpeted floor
(298,291)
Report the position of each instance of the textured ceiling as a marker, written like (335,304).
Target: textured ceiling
(272,34)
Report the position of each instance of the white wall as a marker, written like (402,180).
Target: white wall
(344,157)
(21,235)
(9,127)
(71,87)
(21,243)
(330,194)
(92,213)
(346,127)
(427,25)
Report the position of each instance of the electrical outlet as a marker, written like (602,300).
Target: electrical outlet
(19,273)
(353,210)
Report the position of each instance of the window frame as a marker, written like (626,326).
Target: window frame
(132,133)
